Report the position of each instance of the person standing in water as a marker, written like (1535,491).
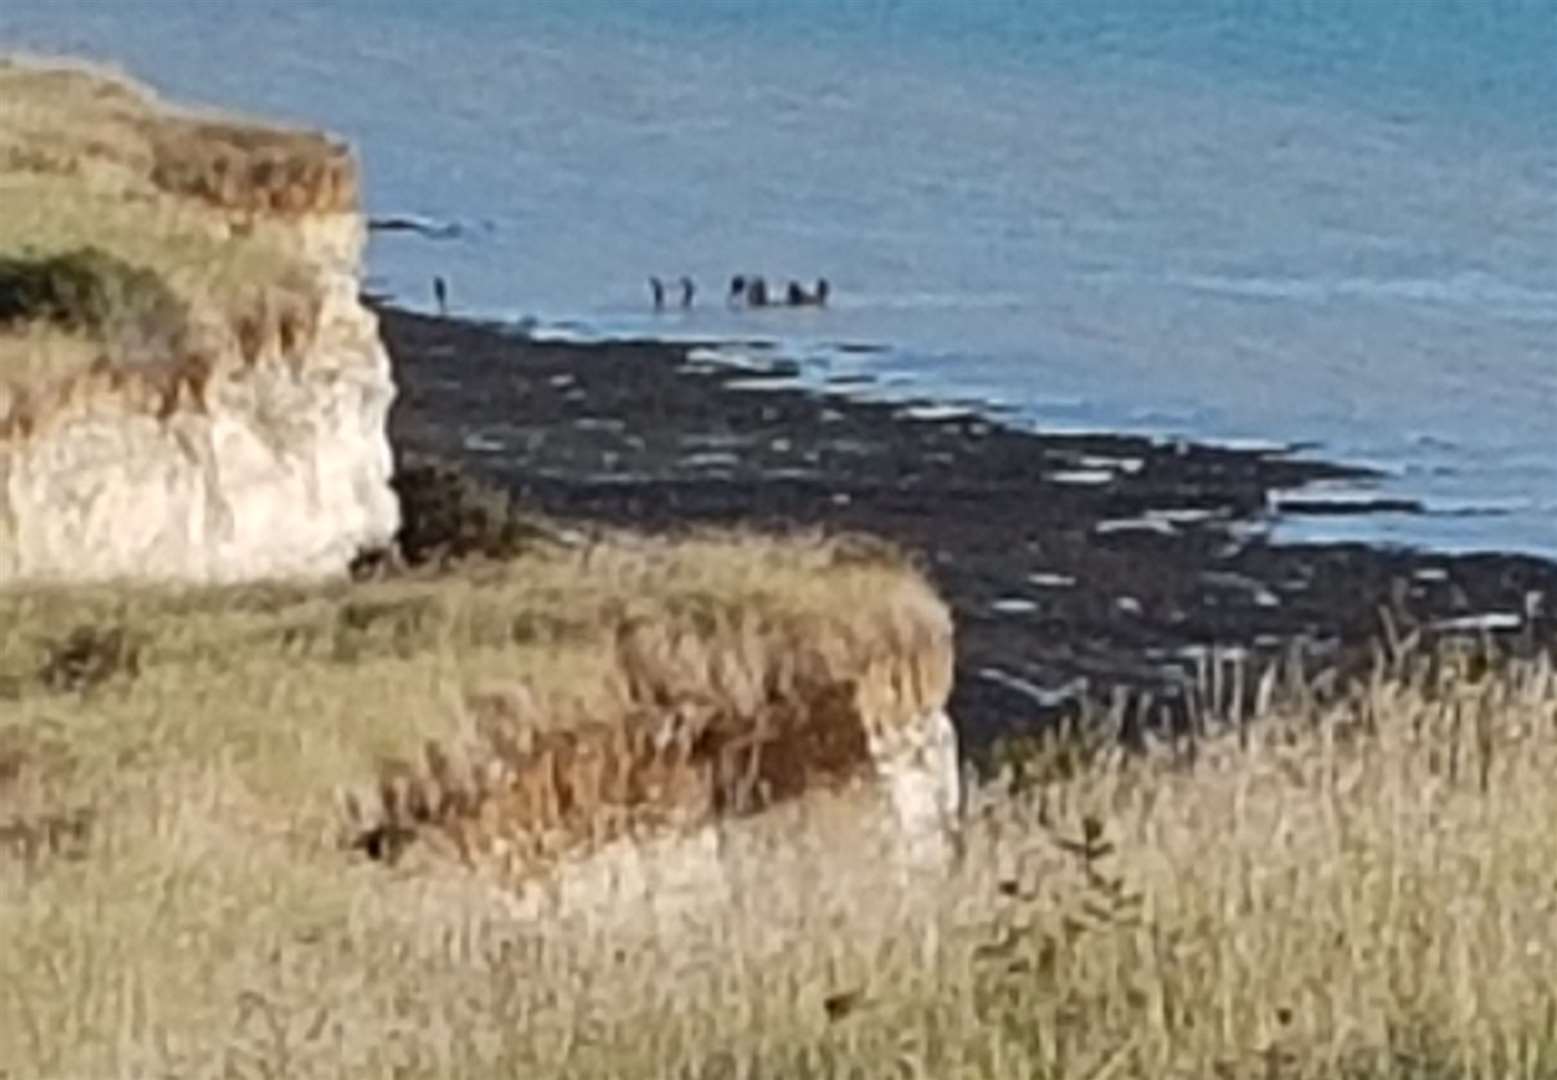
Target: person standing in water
(796,296)
(441,295)
(737,289)
(657,288)
(688,292)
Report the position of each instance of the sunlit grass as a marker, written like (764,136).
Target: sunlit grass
(1366,888)
(173,214)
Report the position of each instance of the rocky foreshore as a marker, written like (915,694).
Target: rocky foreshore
(1079,567)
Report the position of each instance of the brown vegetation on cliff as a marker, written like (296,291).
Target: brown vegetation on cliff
(515,712)
(141,243)
(73,122)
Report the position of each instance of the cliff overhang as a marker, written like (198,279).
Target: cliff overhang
(190,389)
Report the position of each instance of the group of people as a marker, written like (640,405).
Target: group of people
(754,293)
(748,291)
(688,292)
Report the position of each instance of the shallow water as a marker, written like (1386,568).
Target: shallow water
(1331,222)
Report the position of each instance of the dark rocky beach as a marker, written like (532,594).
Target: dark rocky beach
(1080,568)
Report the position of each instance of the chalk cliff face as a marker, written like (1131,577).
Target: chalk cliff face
(244,435)
(889,822)
(727,732)
(281,470)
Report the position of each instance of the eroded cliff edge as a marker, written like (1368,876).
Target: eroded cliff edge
(191,392)
(190,389)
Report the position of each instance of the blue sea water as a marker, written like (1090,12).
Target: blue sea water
(1328,222)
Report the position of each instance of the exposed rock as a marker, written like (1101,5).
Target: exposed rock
(897,811)
(232,433)
(724,715)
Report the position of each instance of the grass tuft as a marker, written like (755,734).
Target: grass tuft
(88,292)
(87,658)
(448,516)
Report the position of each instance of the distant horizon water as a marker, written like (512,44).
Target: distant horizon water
(1327,222)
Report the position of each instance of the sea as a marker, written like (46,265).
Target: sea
(1329,225)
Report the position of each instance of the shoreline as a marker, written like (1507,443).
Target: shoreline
(1078,567)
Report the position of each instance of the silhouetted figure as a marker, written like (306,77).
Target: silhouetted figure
(757,293)
(441,295)
(657,287)
(796,295)
(688,292)
(737,289)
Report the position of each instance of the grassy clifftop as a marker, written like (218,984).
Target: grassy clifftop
(620,685)
(88,126)
(136,236)
(1362,888)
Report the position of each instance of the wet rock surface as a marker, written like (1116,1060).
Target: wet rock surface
(1077,566)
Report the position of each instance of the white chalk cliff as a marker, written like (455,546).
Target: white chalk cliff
(257,447)
(723,736)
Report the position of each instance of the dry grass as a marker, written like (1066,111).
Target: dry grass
(98,174)
(1364,888)
(518,710)
(73,121)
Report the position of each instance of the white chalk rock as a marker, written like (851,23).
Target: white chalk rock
(281,472)
(893,826)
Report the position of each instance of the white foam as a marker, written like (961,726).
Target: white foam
(1480,507)
(731,356)
(1225,653)
(1088,477)
(1141,524)
(417,224)
(1041,696)
(1317,496)
(1130,466)
(1491,620)
(936,412)
(710,460)
(764,382)
(1245,444)
(1184,515)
